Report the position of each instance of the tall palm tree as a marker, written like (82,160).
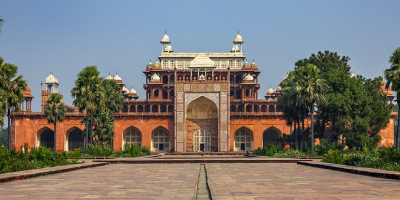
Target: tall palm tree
(1,23)
(13,89)
(392,75)
(311,89)
(88,94)
(55,111)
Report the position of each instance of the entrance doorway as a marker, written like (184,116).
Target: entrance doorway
(202,140)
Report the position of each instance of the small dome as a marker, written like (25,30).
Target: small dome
(155,77)
(157,65)
(109,77)
(165,39)
(168,48)
(133,91)
(117,78)
(352,75)
(249,77)
(253,65)
(126,90)
(238,39)
(27,92)
(202,77)
(234,48)
(246,65)
(278,88)
(51,79)
(285,77)
(150,65)
(270,90)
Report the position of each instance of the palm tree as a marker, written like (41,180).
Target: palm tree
(392,75)
(311,89)
(13,89)
(88,94)
(55,111)
(1,23)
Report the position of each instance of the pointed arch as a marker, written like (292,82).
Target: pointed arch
(271,136)
(160,139)
(74,139)
(202,108)
(243,139)
(45,137)
(131,135)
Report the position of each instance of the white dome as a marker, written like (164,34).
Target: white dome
(285,77)
(270,90)
(235,48)
(249,77)
(238,39)
(51,79)
(133,91)
(117,78)
(109,77)
(168,48)
(155,77)
(165,38)
(352,75)
(126,90)
(278,88)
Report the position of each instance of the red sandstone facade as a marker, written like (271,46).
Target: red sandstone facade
(194,102)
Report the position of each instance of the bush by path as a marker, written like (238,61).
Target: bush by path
(12,160)
(379,158)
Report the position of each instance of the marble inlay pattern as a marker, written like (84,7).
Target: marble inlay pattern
(187,87)
(179,147)
(201,87)
(179,97)
(217,87)
(180,136)
(214,97)
(224,147)
(179,117)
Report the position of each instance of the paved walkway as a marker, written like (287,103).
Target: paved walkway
(226,181)
(291,181)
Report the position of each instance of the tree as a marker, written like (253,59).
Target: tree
(1,23)
(103,117)
(392,75)
(55,111)
(12,89)
(88,94)
(310,88)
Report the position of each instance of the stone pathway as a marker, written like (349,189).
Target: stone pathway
(291,181)
(225,180)
(144,181)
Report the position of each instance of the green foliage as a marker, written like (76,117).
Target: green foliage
(333,156)
(132,150)
(4,136)
(323,147)
(379,158)
(270,150)
(12,160)
(99,150)
(55,112)
(290,154)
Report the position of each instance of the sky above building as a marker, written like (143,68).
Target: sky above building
(63,37)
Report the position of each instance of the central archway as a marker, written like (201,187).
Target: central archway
(202,140)
(202,125)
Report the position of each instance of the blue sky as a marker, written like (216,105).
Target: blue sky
(65,36)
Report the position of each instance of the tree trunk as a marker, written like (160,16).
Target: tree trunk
(9,128)
(55,131)
(291,131)
(302,130)
(298,134)
(312,128)
(398,131)
(91,132)
(87,137)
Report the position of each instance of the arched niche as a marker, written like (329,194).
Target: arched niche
(202,108)
(74,139)
(271,136)
(45,137)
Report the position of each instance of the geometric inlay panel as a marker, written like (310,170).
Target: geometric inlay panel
(224,147)
(214,97)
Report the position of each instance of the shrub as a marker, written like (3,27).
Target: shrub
(269,150)
(333,156)
(99,150)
